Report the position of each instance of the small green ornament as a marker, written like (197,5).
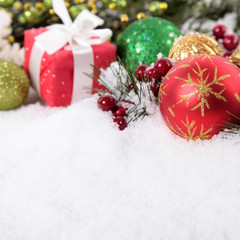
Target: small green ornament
(14,85)
(155,8)
(142,40)
(32,16)
(21,19)
(47,3)
(6,3)
(75,10)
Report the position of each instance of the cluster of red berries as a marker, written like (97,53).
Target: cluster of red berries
(108,103)
(229,41)
(153,74)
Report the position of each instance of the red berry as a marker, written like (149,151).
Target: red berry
(227,54)
(151,74)
(230,42)
(106,103)
(121,122)
(219,31)
(155,88)
(140,72)
(131,86)
(120,112)
(162,66)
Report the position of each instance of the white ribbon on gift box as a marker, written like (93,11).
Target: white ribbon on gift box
(80,35)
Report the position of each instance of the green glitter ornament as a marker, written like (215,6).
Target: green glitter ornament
(14,85)
(142,40)
(6,3)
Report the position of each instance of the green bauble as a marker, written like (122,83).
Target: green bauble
(75,10)
(47,3)
(6,3)
(32,16)
(142,40)
(14,85)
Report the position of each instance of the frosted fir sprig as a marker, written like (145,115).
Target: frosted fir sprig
(133,95)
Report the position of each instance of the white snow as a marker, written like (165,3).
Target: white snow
(70,174)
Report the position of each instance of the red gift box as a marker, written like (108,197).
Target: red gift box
(56,78)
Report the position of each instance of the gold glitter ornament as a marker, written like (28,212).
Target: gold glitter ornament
(194,44)
(11,39)
(17,5)
(235,58)
(14,85)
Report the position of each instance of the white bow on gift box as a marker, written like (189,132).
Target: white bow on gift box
(80,35)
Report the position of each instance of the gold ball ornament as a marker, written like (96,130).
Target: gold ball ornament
(194,44)
(14,85)
(235,58)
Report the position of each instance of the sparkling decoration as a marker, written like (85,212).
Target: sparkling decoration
(198,95)
(14,85)
(194,44)
(144,39)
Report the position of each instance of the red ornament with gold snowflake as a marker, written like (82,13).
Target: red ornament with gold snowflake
(200,94)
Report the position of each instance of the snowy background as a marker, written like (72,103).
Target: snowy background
(70,174)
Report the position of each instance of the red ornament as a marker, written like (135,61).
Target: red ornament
(121,122)
(219,31)
(230,42)
(120,112)
(140,72)
(162,66)
(199,94)
(106,103)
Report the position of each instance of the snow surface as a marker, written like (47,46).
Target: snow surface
(70,174)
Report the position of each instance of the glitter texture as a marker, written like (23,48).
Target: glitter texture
(142,40)
(194,44)
(235,58)
(14,85)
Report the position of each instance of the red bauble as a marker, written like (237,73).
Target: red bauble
(199,94)
(219,31)
(230,42)
(107,103)
(140,72)
(121,122)
(162,66)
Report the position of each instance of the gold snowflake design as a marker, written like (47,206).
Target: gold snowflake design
(191,130)
(162,92)
(203,89)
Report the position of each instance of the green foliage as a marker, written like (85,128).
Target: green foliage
(112,11)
